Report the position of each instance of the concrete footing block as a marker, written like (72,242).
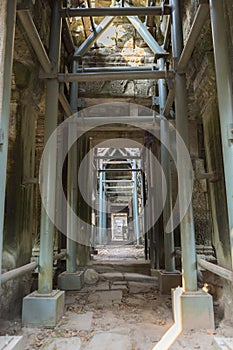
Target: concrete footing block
(71,281)
(168,281)
(11,343)
(43,309)
(196,309)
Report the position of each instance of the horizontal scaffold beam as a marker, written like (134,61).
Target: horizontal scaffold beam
(120,181)
(126,69)
(108,76)
(107,170)
(85,122)
(117,157)
(117,11)
(118,187)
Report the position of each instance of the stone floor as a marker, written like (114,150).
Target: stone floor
(115,314)
(123,311)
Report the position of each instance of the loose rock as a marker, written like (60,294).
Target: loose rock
(91,276)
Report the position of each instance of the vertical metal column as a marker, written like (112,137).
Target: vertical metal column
(49,172)
(88,170)
(8,40)
(225,101)
(72,183)
(104,235)
(101,219)
(165,161)
(142,196)
(151,206)
(149,202)
(145,213)
(94,197)
(135,204)
(184,184)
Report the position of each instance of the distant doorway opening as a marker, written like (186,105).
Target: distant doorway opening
(119,224)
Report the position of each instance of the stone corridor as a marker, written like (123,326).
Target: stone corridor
(116,195)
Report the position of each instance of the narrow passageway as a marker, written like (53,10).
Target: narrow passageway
(116,196)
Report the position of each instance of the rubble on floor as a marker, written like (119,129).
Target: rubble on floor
(123,310)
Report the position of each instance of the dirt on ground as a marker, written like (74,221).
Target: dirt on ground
(117,313)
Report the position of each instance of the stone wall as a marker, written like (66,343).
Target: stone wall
(119,45)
